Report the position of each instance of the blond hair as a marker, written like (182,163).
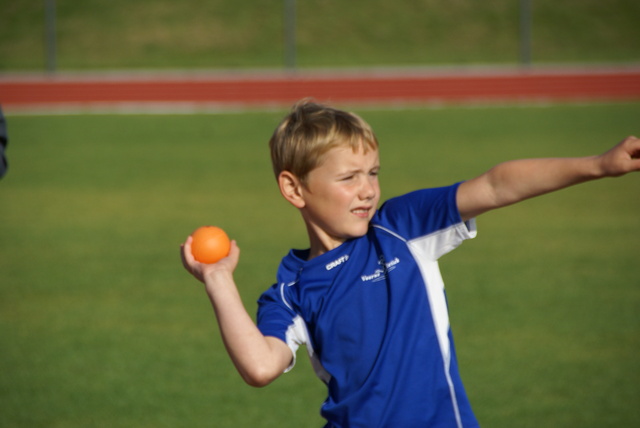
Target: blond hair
(309,131)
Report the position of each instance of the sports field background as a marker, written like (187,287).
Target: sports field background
(100,326)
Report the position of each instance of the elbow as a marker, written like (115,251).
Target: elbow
(259,369)
(259,377)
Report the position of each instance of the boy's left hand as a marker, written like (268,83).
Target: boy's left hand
(622,158)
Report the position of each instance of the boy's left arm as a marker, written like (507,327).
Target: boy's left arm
(517,180)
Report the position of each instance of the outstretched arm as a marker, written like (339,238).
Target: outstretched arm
(517,180)
(259,359)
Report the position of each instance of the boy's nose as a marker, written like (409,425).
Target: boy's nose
(368,189)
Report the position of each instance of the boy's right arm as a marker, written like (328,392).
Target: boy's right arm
(259,359)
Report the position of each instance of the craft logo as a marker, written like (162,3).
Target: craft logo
(337,262)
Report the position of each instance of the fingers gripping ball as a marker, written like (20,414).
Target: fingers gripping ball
(210,244)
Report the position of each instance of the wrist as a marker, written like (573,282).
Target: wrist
(215,278)
(596,167)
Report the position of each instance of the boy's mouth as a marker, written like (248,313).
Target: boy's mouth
(361,212)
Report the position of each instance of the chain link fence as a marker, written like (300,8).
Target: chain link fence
(299,34)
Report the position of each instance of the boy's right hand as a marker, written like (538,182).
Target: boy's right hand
(202,270)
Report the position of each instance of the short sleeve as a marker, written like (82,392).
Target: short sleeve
(277,319)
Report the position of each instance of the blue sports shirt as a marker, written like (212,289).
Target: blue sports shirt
(373,316)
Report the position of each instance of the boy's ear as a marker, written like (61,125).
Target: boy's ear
(291,188)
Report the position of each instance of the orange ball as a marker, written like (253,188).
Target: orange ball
(210,244)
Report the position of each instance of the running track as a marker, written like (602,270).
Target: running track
(204,91)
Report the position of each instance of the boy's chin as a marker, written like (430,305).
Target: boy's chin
(358,234)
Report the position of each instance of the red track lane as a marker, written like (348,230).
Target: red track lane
(599,85)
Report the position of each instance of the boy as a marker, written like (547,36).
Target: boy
(366,297)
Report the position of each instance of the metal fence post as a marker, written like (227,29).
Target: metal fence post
(290,34)
(50,35)
(525,32)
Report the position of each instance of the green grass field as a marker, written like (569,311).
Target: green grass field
(101,327)
(214,34)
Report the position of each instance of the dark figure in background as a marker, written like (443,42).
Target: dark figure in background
(3,143)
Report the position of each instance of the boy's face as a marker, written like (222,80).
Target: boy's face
(340,197)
